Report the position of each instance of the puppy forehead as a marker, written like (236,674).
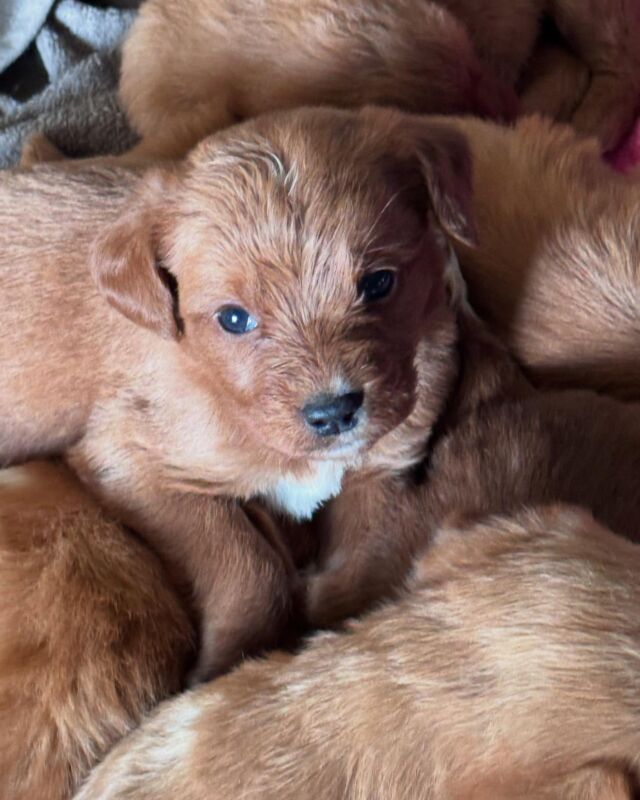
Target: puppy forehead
(295,196)
(284,215)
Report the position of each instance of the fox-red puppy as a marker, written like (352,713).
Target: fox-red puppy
(91,634)
(509,670)
(254,323)
(556,266)
(237,60)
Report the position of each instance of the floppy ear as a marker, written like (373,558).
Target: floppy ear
(447,168)
(430,163)
(125,262)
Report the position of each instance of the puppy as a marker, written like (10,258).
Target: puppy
(448,56)
(555,267)
(91,636)
(485,440)
(452,56)
(255,323)
(236,62)
(510,669)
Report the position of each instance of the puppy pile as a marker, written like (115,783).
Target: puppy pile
(262,359)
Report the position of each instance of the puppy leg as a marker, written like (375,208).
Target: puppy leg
(246,603)
(370,533)
(91,637)
(605,33)
(241,586)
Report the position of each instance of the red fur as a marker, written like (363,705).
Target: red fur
(172,420)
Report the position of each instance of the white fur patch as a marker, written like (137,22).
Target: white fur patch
(179,738)
(18,478)
(300,497)
(149,754)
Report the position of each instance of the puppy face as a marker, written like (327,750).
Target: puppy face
(299,260)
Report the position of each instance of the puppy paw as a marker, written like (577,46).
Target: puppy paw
(38,149)
(205,670)
(219,652)
(332,597)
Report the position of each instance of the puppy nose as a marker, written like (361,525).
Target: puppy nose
(330,415)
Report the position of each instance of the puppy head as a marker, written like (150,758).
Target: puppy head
(298,260)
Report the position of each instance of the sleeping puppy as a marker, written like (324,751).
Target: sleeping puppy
(509,669)
(556,266)
(91,636)
(255,323)
(450,56)
(238,60)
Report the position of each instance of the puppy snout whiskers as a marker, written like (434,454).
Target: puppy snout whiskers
(331,415)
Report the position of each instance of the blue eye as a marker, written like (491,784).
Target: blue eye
(376,285)
(234,319)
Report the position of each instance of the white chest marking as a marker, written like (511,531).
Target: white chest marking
(300,497)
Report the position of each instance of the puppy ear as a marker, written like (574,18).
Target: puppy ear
(125,261)
(430,163)
(447,167)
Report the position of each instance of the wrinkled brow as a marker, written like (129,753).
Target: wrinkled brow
(247,158)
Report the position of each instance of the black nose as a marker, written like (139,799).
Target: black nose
(329,415)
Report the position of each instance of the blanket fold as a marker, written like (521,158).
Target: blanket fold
(63,74)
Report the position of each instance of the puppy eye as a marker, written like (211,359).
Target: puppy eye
(376,285)
(234,319)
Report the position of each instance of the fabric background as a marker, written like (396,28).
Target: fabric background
(59,63)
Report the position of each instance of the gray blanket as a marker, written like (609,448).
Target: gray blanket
(58,74)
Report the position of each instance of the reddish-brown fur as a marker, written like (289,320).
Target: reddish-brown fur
(493,443)
(510,669)
(237,60)
(556,270)
(499,445)
(171,419)
(91,635)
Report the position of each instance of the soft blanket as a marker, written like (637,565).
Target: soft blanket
(59,63)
